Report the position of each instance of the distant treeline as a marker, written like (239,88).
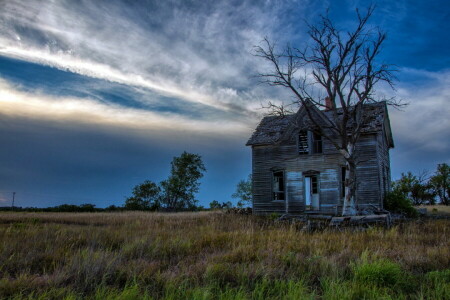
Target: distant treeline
(64,208)
(87,208)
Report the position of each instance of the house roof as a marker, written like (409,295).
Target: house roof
(271,128)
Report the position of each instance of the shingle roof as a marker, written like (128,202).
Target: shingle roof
(271,128)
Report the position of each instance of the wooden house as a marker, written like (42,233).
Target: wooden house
(296,171)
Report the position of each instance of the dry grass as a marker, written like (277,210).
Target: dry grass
(210,255)
(443,210)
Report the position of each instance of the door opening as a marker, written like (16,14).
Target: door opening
(312,193)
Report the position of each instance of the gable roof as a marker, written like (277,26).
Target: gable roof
(271,128)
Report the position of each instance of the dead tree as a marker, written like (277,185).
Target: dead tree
(337,67)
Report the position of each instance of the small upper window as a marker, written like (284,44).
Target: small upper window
(303,145)
(278,185)
(309,142)
(317,143)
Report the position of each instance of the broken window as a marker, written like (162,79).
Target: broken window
(316,143)
(278,185)
(309,142)
(303,147)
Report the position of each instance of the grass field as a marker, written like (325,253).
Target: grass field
(437,210)
(210,255)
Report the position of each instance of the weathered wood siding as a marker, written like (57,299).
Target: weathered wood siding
(284,156)
(367,172)
(384,164)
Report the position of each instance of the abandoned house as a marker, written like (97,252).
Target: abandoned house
(296,171)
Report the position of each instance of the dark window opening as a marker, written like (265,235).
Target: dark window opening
(303,147)
(278,185)
(317,143)
(343,169)
(314,185)
(309,142)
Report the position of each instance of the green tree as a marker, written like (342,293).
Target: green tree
(396,202)
(87,207)
(227,205)
(244,192)
(440,183)
(178,191)
(145,197)
(415,188)
(215,205)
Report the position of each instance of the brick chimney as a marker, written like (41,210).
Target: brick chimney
(328,103)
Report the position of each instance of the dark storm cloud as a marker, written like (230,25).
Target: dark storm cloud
(54,162)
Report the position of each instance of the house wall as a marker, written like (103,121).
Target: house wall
(384,165)
(367,172)
(284,156)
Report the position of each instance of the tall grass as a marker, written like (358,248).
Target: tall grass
(210,255)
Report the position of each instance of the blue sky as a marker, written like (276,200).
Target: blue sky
(97,96)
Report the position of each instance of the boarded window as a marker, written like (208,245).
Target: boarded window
(303,146)
(317,143)
(278,185)
(309,142)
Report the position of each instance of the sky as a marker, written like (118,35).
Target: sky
(98,96)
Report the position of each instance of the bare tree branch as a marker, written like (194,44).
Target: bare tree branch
(344,66)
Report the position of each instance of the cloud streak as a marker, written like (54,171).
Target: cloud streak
(198,54)
(424,123)
(14,102)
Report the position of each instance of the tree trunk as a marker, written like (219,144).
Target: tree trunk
(349,208)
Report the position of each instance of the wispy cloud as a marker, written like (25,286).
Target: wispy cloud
(424,124)
(34,105)
(198,54)
(3,199)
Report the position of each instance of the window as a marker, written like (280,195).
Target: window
(343,169)
(309,142)
(303,145)
(314,185)
(317,143)
(278,185)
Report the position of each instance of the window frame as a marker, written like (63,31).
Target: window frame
(314,143)
(317,143)
(343,173)
(301,143)
(273,192)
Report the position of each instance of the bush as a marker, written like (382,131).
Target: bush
(381,273)
(437,285)
(396,202)
(274,216)
(443,276)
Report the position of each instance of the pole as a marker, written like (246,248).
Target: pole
(14,196)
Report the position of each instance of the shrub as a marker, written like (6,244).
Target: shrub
(437,285)
(274,216)
(398,203)
(443,276)
(380,272)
